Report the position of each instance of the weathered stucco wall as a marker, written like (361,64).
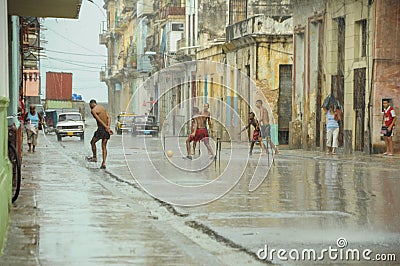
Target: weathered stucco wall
(386,65)
(321,59)
(274,8)
(212,18)
(272,52)
(5,174)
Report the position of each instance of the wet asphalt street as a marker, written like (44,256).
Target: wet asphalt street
(70,212)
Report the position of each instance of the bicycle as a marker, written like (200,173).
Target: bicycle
(15,161)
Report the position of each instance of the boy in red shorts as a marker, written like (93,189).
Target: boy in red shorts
(256,133)
(390,121)
(199,132)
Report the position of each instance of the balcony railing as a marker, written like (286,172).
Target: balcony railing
(103,38)
(258,25)
(102,75)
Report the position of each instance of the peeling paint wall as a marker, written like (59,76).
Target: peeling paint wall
(325,63)
(260,58)
(212,18)
(306,128)
(259,24)
(386,67)
(255,47)
(355,119)
(274,8)
(272,52)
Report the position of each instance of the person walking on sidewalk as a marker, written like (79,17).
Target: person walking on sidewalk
(390,122)
(102,133)
(332,129)
(265,125)
(33,119)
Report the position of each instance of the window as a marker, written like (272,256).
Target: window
(193,31)
(179,95)
(177,26)
(360,41)
(363,38)
(70,117)
(189,31)
(237,11)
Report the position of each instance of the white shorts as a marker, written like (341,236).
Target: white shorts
(332,136)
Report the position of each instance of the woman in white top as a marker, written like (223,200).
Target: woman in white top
(332,130)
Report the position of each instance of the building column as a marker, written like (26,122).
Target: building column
(14,72)
(5,169)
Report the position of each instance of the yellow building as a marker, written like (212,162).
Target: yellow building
(119,37)
(344,48)
(259,53)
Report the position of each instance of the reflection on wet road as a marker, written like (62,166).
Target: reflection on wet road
(308,200)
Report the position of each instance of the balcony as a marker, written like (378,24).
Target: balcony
(143,8)
(103,38)
(44,8)
(111,72)
(130,72)
(103,76)
(129,5)
(259,25)
(172,11)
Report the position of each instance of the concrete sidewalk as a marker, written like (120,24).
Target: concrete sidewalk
(69,213)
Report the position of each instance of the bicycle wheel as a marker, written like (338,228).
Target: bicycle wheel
(16,170)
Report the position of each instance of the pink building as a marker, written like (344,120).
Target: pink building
(386,66)
(31,82)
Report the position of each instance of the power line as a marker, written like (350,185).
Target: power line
(89,88)
(70,69)
(62,52)
(101,9)
(62,61)
(62,36)
(77,61)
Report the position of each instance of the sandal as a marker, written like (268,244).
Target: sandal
(91,159)
(103,167)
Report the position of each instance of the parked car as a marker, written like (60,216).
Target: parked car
(124,123)
(145,125)
(70,124)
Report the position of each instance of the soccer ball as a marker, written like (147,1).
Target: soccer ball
(170,153)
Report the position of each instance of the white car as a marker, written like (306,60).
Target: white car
(70,124)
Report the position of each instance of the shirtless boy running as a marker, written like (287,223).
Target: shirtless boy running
(206,115)
(103,132)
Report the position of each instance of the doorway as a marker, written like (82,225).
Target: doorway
(359,107)
(284,103)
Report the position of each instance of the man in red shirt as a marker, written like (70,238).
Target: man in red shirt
(390,122)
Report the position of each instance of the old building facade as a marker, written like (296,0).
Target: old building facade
(13,50)
(335,51)
(261,48)
(385,72)
(295,52)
